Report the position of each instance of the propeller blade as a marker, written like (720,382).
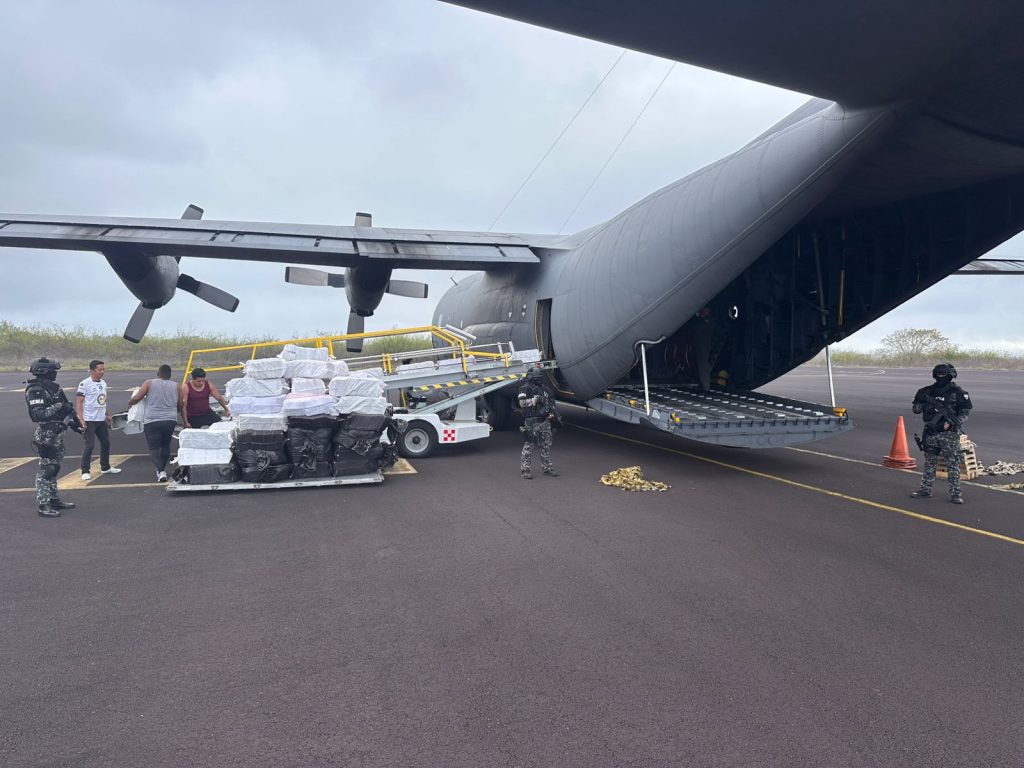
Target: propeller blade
(364,219)
(356,324)
(304,276)
(139,323)
(192,212)
(206,292)
(409,288)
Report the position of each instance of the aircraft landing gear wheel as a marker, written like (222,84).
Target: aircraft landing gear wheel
(418,441)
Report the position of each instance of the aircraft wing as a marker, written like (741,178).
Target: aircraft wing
(856,52)
(328,246)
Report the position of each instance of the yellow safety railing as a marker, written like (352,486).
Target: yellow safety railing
(455,346)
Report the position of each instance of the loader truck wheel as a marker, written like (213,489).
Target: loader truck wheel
(418,441)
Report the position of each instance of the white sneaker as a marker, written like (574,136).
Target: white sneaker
(86,476)
(111,471)
(161,477)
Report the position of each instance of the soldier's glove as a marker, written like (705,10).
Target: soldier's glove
(71,422)
(918,408)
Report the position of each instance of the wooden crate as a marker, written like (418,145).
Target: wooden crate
(969,466)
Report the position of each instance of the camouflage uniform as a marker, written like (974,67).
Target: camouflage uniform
(541,433)
(50,410)
(538,412)
(48,442)
(944,407)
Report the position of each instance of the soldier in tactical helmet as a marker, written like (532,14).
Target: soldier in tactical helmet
(944,406)
(539,414)
(52,413)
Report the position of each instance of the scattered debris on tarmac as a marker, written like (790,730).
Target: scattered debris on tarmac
(1005,468)
(632,479)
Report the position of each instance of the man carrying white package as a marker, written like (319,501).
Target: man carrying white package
(163,401)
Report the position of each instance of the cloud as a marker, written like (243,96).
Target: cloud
(425,114)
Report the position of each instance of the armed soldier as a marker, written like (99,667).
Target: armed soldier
(51,411)
(539,413)
(944,407)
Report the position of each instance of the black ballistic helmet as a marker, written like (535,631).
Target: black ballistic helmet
(944,369)
(44,367)
(535,374)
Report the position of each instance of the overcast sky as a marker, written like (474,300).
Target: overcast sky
(424,114)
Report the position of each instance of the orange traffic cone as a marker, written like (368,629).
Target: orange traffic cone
(899,457)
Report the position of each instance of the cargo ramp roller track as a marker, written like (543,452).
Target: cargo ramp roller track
(734,418)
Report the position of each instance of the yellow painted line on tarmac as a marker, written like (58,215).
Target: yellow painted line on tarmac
(814,488)
(8,464)
(74,481)
(897,469)
(87,487)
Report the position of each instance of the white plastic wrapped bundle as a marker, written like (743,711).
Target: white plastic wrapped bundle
(247,387)
(355,404)
(334,368)
(418,366)
(293,352)
(306,369)
(307,386)
(261,422)
(368,373)
(195,457)
(223,426)
(240,405)
(267,368)
(527,355)
(206,439)
(303,404)
(349,386)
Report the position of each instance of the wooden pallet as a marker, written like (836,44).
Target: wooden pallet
(969,466)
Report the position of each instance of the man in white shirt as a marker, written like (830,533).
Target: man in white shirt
(91,405)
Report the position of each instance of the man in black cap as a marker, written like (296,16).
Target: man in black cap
(944,407)
(50,410)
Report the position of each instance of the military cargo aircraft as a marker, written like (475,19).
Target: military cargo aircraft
(906,166)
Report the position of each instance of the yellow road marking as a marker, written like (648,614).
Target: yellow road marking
(897,469)
(9,464)
(74,481)
(814,488)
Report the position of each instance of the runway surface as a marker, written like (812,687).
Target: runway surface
(786,607)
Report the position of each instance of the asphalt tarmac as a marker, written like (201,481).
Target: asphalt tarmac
(785,607)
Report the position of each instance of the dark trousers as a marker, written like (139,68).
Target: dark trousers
(96,430)
(203,420)
(158,439)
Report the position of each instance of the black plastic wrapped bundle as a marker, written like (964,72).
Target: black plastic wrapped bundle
(263,466)
(308,444)
(258,440)
(208,474)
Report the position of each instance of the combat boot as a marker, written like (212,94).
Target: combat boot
(58,504)
(550,472)
(527,475)
(45,510)
(921,493)
(957,499)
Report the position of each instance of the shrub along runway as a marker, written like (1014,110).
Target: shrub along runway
(782,607)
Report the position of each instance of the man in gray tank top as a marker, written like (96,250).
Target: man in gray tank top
(162,406)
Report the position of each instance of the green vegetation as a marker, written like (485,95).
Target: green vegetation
(923,348)
(74,347)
